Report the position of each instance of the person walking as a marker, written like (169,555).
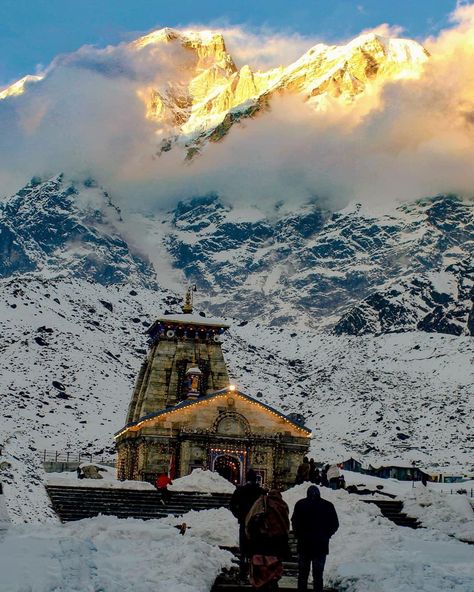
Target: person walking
(333,476)
(241,501)
(302,473)
(161,484)
(267,527)
(314,522)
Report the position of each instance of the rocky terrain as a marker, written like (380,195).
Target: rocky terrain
(350,272)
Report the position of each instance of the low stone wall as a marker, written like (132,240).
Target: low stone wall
(51,466)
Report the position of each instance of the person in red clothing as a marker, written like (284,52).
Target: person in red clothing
(162,482)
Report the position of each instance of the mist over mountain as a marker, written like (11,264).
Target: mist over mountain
(173,115)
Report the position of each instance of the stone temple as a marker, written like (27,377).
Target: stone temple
(184,414)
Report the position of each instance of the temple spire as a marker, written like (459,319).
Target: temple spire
(187,307)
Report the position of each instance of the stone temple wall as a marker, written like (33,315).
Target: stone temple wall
(225,425)
(159,383)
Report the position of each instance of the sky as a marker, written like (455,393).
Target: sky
(33,32)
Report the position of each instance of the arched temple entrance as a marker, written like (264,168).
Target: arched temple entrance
(229,467)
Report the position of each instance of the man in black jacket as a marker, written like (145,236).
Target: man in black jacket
(241,501)
(314,522)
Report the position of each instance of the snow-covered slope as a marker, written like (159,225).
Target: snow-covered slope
(62,226)
(72,350)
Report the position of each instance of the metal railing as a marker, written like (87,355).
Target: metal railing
(76,457)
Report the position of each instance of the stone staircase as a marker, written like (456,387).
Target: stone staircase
(228,580)
(75,503)
(392,509)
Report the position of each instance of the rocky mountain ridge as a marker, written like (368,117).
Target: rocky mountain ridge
(61,226)
(410,269)
(202,93)
(348,271)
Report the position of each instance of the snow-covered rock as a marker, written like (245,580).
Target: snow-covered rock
(60,226)
(410,269)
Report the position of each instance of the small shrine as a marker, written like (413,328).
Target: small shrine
(185,414)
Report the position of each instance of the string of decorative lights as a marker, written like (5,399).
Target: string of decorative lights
(207,401)
(229,450)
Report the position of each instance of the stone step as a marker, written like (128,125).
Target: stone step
(75,503)
(136,493)
(392,510)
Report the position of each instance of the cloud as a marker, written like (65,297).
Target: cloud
(401,140)
(266,48)
(385,30)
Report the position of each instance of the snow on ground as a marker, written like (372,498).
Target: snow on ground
(402,488)
(451,514)
(368,553)
(108,555)
(437,506)
(199,480)
(203,481)
(22,476)
(217,526)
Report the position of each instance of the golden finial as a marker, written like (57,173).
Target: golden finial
(187,307)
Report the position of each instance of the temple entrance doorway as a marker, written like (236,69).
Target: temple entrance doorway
(229,467)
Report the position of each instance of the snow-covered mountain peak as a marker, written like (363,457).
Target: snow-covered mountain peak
(19,87)
(194,93)
(395,48)
(184,37)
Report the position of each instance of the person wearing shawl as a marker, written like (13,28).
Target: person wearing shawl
(267,526)
(241,502)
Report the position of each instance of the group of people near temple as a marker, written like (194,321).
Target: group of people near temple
(328,476)
(264,525)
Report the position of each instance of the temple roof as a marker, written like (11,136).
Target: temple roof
(223,392)
(191,319)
